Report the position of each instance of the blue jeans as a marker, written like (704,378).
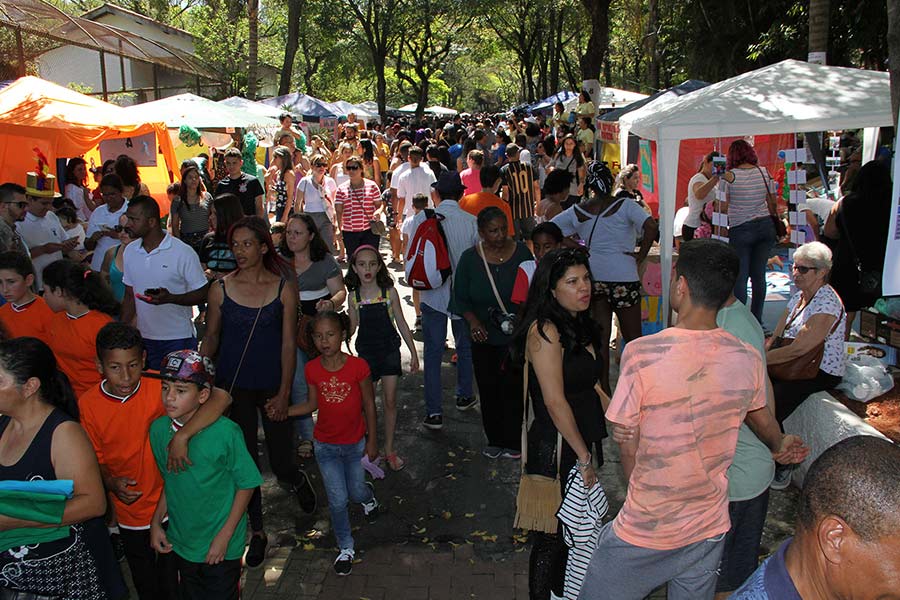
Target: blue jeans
(303,426)
(434,326)
(753,242)
(345,482)
(158,349)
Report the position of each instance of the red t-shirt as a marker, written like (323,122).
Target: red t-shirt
(29,320)
(340,419)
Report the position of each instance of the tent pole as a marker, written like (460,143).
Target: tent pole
(121,66)
(103,76)
(20,50)
(155,82)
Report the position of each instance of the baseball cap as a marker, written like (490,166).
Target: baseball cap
(188,365)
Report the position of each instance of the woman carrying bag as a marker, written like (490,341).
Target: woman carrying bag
(558,339)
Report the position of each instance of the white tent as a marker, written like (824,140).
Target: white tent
(787,97)
(200,113)
(257,108)
(441,111)
(609,98)
(371,107)
(362,113)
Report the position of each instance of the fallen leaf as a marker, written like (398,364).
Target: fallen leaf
(470,515)
(449,465)
(420,531)
(308,547)
(446,515)
(451,454)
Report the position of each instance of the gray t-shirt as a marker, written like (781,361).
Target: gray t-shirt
(10,240)
(313,283)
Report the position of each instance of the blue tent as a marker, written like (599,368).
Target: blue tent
(679,90)
(303,105)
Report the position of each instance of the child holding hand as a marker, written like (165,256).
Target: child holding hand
(340,388)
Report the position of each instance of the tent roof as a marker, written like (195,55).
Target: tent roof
(679,90)
(257,108)
(548,102)
(441,111)
(348,108)
(198,112)
(787,97)
(372,107)
(304,105)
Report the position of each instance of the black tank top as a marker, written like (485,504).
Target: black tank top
(36,462)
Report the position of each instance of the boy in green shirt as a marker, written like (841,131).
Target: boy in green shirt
(207,504)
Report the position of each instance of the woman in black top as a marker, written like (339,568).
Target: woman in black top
(39,440)
(560,341)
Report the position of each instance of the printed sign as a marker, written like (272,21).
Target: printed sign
(646,164)
(141,148)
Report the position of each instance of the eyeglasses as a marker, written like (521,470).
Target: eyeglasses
(353,168)
(804,270)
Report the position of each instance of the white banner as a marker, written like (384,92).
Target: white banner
(891,280)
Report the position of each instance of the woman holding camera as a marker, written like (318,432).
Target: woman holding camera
(483,285)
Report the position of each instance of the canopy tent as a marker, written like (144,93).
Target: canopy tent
(787,97)
(304,105)
(441,111)
(62,123)
(257,108)
(200,113)
(346,108)
(371,107)
(548,102)
(409,108)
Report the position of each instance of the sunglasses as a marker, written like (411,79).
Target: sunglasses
(353,168)
(803,270)
(317,165)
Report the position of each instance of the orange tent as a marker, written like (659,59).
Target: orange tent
(62,123)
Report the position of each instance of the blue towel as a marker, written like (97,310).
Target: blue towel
(63,487)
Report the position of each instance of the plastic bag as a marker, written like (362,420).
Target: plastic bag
(865,379)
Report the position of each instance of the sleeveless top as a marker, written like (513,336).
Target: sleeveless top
(115,276)
(376,333)
(581,371)
(280,189)
(261,369)
(62,567)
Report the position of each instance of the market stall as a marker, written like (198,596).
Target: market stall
(62,123)
(785,98)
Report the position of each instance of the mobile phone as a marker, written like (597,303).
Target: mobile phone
(151,291)
(718,164)
(143,297)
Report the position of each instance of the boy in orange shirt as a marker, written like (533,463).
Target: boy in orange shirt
(25,314)
(682,394)
(116,414)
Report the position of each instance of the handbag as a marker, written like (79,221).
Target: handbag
(780,227)
(805,366)
(539,496)
(303,339)
(506,320)
(868,280)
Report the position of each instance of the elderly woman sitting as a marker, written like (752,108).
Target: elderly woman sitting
(814,315)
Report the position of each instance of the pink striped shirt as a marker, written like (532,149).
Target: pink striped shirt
(359,205)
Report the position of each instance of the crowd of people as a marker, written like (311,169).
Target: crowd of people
(171,340)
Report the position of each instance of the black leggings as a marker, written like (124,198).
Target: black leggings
(500,392)
(246,408)
(791,394)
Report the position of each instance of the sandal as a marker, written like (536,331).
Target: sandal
(395,462)
(305,449)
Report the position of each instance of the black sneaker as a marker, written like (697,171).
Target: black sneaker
(434,422)
(256,553)
(306,495)
(118,546)
(465,402)
(371,508)
(418,324)
(343,564)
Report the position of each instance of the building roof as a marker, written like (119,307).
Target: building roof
(42,19)
(108,8)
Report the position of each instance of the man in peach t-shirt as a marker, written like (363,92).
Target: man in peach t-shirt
(683,394)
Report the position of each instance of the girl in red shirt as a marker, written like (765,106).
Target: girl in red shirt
(340,388)
(83,304)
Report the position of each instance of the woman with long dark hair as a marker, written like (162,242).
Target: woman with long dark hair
(250,331)
(77,189)
(190,209)
(41,441)
(568,158)
(280,182)
(126,168)
(560,340)
(371,166)
(321,288)
(700,193)
(83,303)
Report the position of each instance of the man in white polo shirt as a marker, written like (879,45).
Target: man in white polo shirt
(42,232)
(415,180)
(101,231)
(163,279)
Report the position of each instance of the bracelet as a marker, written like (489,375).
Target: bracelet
(583,465)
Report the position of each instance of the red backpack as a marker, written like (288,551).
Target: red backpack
(428,260)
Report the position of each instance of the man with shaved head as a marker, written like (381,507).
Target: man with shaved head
(847,543)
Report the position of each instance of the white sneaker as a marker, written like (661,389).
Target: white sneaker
(343,564)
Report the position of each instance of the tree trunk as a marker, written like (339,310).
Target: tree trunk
(380,86)
(290,47)
(819,11)
(592,60)
(652,41)
(253,48)
(893,40)
(557,53)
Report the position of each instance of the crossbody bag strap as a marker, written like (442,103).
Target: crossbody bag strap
(768,194)
(487,269)
(525,422)
(247,343)
(602,216)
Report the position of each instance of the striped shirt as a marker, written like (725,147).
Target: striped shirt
(581,514)
(519,178)
(747,195)
(359,205)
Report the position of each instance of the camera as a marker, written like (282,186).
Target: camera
(505,321)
